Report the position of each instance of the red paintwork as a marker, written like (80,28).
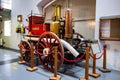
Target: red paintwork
(38,29)
(36,25)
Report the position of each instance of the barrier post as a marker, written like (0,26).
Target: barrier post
(55,76)
(31,68)
(104,69)
(21,54)
(93,73)
(86,65)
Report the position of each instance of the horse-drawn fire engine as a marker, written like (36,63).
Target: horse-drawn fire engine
(44,36)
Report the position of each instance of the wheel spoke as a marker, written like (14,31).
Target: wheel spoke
(52,44)
(42,45)
(47,60)
(43,40)
(52,63)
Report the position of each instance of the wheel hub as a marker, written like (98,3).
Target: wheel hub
(46,51)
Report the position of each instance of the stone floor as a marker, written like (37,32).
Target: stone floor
(11,70)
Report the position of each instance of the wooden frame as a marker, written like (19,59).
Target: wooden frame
(95,47)
(109,28)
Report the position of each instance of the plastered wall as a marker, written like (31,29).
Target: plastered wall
(81,10)
(108,8)
(83,14)
(19,7)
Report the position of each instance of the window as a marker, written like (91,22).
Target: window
(7,28)
(6,4)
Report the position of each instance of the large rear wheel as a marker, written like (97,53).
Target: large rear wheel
(45,50)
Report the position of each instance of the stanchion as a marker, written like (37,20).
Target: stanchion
(31,68)
(55,76)
(21,61)
(104,69)
(86,65)
(93,73)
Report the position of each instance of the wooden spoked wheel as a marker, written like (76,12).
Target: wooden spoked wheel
(45,49)
(26,51)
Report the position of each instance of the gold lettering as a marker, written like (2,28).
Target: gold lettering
(36,28)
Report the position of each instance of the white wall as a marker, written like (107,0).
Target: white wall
(24,8)
(83,13)
(109,8)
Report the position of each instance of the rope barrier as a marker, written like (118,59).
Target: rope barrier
(41,53)
(104,48)
(72,60)
(103,53)
(19,45)
(26,49)
(23,48)
(97,57)
(61,56)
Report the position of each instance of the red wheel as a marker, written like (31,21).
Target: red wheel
(45,46)
(26,51)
